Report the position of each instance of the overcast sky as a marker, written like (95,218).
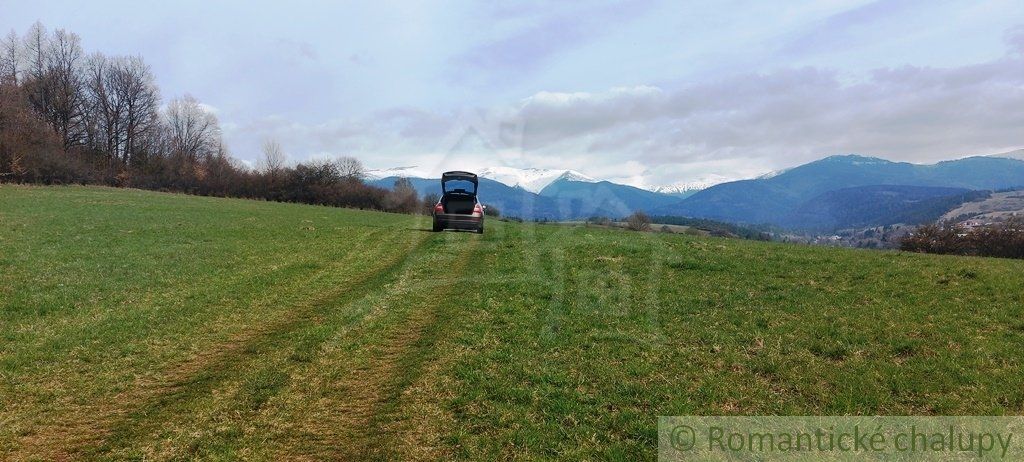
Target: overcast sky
(642,92)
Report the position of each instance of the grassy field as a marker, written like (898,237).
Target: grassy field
(145,325)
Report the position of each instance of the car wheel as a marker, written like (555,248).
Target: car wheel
(480,230)
(437,226)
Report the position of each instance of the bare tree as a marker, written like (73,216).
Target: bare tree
(67,95)
(36,79)
(136,85)
(274,157)
(54,98)
(52,80)
(123,105)
(638,221)
(10,58)
(36,45)
(350,167)
(193,132)
(103,107)
(403,197)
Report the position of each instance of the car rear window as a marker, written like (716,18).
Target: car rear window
(465,186)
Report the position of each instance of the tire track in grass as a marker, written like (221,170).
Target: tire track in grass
(417,423)
(113,424)
(77,424)
(261,409)
(198,379)
(143,303)
(422,424)
(357,420)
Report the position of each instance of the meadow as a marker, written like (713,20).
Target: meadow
(163,326)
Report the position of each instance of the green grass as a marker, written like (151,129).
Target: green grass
(145,325)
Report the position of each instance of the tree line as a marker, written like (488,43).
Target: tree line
(71,117)
(1004,239)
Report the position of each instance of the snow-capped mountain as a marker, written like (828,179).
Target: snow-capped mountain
(531,179)
(536,179)
(772,174)
(405,172)
(685,187)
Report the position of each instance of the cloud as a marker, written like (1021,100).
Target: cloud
(787,117)
(739,126)
(539,32)
(846,26)
(527,49)
(551,116)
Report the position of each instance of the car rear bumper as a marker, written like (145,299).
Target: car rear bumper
(452,221)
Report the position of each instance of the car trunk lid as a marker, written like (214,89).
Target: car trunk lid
(456,181)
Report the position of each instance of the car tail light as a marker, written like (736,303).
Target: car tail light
(438,208)
(478,210)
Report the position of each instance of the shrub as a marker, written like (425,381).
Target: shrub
(1004,240)
(638,221)
(29,150)
(54,167)
(429,201)
(403,198)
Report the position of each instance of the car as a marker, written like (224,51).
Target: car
(459,208)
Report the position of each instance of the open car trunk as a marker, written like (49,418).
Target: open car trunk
(465,182)
(458,203)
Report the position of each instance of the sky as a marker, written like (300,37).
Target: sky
(640,92)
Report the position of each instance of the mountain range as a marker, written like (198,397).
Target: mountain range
(685,189)
(561,199)
(775,200)
(532,179)
(831,193)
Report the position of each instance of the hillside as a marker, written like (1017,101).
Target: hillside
(773,199)
(872,206)
(143,325)
(993,208)
(603,198)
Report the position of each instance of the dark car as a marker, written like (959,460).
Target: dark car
(459,207)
